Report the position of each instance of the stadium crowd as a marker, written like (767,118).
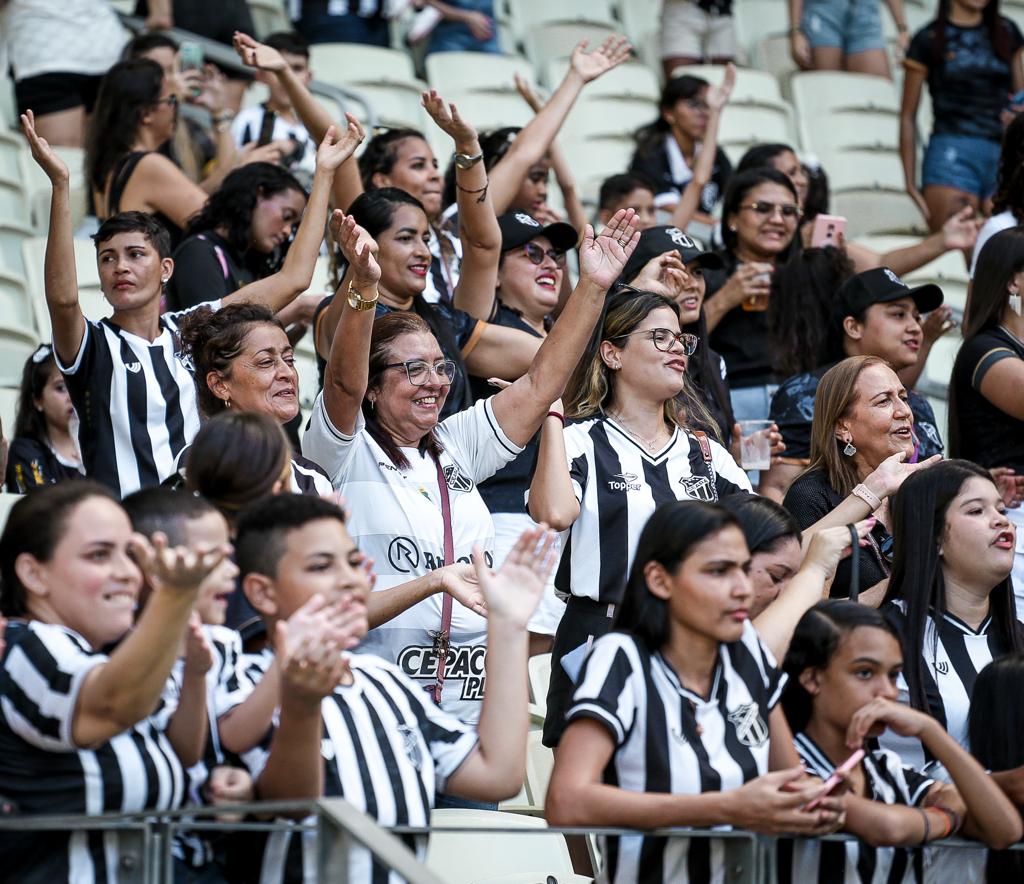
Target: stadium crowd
(676,446)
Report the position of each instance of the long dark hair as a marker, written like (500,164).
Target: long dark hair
(918,524)
(232,205)
(761,156)
(814,644)
(29,421)
(1009,195)
(764,523)
(668,537)
(651,136)
(493,145)
(999,261)
(804,333)
(995,24)
(380,154)
(706,378)
(739,186)
(127,92)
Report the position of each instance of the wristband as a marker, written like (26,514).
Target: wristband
(927,825)
(867,495)
(561,417)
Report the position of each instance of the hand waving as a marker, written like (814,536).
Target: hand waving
(527,92)
(718,96)
(603,257)
(891,472)
(258,55)
(357,246)
(448,119)
(44,155)
(961,230)
(513,592)
(333,151)
(610,54)
(178,568)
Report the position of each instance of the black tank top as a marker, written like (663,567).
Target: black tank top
(119,178)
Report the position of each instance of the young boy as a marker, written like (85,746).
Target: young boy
(629,190)
(385,746)
(276,119)
(134,397)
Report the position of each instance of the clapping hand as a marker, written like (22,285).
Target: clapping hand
(333,151)
(258,55)
(603,257)
(937,323)
(513,592)
(198,653)
(358,247)
(461,583)
(179,568)
(311,646)
(448,119)
(590,65)
(44,155)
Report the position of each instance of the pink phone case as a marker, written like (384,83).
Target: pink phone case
(836,778)
(828,231)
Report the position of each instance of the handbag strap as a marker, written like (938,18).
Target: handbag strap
(854,564)
(442,638)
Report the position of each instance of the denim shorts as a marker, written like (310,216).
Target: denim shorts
(851,25)
(963,162)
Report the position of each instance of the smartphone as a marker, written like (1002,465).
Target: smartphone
(191,56)
(836,778)
(828,231)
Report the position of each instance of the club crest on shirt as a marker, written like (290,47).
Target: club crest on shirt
(942,667)
(411,745)
(698,488)
(750,727)
(456,479)
(133,367)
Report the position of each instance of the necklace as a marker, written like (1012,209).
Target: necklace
(650,444)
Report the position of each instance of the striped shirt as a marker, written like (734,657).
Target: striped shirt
(888,781)
(43,771)
(386,749)
(619,484)
(669,739)
(396,519)
(135,402)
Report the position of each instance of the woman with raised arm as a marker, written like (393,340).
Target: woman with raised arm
(410,477)
(83,730)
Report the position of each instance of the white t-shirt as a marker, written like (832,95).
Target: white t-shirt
(249,122)
(396,520)
(1002,221)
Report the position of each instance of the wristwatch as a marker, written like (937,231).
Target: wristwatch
(357,302)
(465,161)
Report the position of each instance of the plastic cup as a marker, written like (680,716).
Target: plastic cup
(755,445)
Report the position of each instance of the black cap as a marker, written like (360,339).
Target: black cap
(518,228)
(657,240)
(879,286)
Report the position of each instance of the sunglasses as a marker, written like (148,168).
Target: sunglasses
(766,209)
(536,254)
(419,372)
(664,338)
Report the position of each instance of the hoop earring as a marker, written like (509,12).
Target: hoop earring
(850,450)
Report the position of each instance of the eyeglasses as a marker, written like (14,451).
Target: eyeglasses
(172,100)
(419,371)
(536,254)
(765,209)
(664,338)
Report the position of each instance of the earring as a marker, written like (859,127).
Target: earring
(373,404)
(164,279)
(732,227)
(849,450)
(227,404)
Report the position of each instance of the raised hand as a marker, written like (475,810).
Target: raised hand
(461,583)
(177,569)
(44,155)
(610,54)
(718,96)
(513,592)
(829,546)
(961,230)
(258,55)
(448,119)
(937,323)
(603,257)
(198,653)
(891,473)
(1009,485)
(333,151)
(358,247)
(319,620)
(527,92)
(310,669)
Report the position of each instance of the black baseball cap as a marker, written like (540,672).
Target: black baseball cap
(879,286)
(518,228)
(657,240)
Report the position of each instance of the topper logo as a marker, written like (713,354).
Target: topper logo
(680,239)
(893,277)
(523,218)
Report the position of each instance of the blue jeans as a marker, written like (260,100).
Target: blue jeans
(963,162)
(452,36)
(851,25)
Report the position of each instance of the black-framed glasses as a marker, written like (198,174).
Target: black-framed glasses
(419,371)
(536,254)
(789,211)
(664,338)
(172,100)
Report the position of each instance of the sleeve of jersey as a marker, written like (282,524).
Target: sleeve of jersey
(82,363)
(577,459)
(607,686)
(910,783)
(234,682)
(39,684)
(326,445)
(480,443)
(981,359)
(729,477)
(774,679)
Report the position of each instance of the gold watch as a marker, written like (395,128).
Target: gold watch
(357,302)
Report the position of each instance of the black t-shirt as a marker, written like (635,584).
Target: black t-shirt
(654,163)
(793,410)
(505,491)
(811,498)
(206,269)
(972,85)
(32,465)
(988,436)
(741,337)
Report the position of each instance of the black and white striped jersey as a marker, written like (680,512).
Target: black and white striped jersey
(43,771)
(387,749)
(619,484)
(135,402)
(669,739)
(309,478)
(889,781)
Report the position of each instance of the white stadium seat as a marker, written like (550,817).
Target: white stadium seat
(455,73)
(552,41)
(752,87)
(629,80)
(94,305)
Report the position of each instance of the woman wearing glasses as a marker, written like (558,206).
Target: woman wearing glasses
(759,225)
(410,478)
(602,477)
